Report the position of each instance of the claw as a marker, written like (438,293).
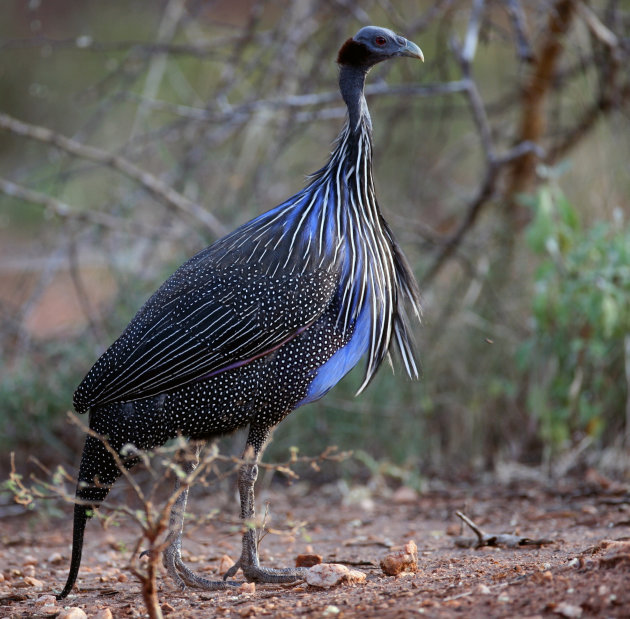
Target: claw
(232,571)
(274,575)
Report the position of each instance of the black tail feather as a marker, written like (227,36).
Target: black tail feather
(97,473)
(80,518)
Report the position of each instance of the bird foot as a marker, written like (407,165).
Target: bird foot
(184,577)
(256,573)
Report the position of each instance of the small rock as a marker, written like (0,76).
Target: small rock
(225,563)
(72,613)
(567,610)
(167,608)
(484,589)
(308,560)
(29,560)
(33,582)
(55,557)
(122,577)
(355,577)
(29,570)
(248,587)
(45,600)
(104,613)
(250,611)
(326,575)
(405,494)
(331,611)
(405,559)
(504,598)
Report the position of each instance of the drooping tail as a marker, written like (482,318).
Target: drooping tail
(97,473)
(80,518)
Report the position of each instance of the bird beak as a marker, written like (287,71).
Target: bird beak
(412,50)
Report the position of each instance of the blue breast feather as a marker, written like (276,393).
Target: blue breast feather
(342,361)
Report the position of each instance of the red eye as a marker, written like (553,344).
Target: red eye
(380,40)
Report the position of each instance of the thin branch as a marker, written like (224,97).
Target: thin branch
(469,48)
(517,17)
(242,113)
(63,210)
(152,183)
(587,121)
(535,92)
(85,43)
(597,28)
(484,194)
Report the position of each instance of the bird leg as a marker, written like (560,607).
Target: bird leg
(248,562)
(172,557)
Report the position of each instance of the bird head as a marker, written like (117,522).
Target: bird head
(372,45)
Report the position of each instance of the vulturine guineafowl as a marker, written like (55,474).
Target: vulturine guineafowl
(261,322)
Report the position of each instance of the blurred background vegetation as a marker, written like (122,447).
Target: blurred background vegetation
(133,133)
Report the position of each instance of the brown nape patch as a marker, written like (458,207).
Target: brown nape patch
(353,53)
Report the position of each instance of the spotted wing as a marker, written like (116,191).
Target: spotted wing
(205,319)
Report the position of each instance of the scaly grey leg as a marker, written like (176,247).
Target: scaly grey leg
(172,557)
(248,561)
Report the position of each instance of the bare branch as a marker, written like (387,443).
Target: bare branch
(484,194)
(523,47)
(469,48)
(152,183)
(599,30)
(64,210)
(86,43)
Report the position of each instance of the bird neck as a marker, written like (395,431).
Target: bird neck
(351,84)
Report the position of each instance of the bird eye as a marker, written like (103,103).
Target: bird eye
(380,40)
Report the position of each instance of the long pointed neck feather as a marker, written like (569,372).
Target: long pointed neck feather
(335,224)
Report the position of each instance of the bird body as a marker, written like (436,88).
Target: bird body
(267,319)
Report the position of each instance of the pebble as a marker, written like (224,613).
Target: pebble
(327,575)
(404,495)
(33,582)
(248,587)
(400,560)
(225,563)
(308,560)
(72,613)
(30,560)
(55,557)
(355,577)
(46,600)
(565,609)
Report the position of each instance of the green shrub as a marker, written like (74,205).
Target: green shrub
(577,355)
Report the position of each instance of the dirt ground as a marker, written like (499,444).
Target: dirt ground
(584,570)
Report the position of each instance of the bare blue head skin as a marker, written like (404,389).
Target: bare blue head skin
(359,54)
